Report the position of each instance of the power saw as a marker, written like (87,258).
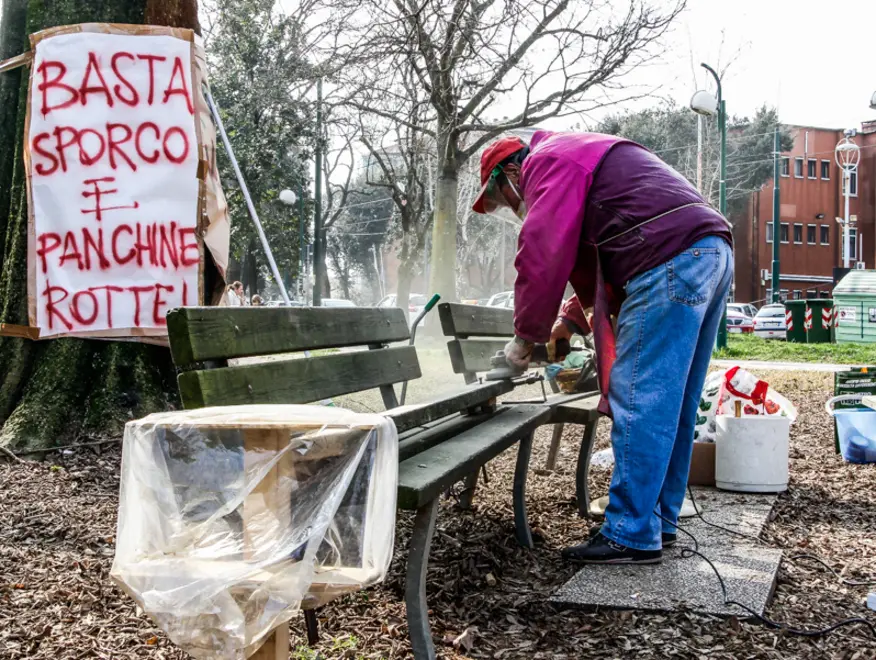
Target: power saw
(501,370)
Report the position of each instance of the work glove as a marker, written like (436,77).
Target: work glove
(518,353)
(561,330)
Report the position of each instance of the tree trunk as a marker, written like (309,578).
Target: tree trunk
(403,293)
(55,390)
(249,275)
(326,285)
(442,278)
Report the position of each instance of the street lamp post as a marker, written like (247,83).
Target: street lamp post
(704,103)
(289,197)
(847,155)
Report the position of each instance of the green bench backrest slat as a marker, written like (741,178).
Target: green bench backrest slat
(460,321)
(217,333)
(473,355)
(491,327)
(301,380)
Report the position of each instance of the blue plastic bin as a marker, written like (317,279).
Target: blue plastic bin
(857,431)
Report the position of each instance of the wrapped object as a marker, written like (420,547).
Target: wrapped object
(723,388)
(232,519)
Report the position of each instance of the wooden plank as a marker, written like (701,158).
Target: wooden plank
(298,380)
(208,333)
(419,440)
(580,411)
(265,516)
(473,355)
(22,331)
(426,475)
(461,321)
(410,417)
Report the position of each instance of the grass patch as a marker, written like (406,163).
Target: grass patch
(746,347)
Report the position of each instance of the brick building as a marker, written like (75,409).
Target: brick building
(811,200)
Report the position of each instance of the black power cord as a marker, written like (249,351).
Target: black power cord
(686,553)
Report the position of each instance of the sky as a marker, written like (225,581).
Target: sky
(814,60)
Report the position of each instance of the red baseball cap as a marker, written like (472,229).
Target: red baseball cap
(492,156)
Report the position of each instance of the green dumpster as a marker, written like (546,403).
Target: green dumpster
(822,318)
(855,298)
(797,330)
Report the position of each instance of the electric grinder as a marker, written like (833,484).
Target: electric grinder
(501,370)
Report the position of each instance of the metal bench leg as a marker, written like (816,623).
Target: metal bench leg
(551,461)
(582,472)
(469,486)
(415,582)
(521,523)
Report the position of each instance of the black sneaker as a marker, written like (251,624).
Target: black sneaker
(668,540)
(601,550)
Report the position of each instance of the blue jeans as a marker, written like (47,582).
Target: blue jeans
(665,335)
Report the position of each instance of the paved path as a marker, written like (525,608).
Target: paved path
(783,366)
(679,583)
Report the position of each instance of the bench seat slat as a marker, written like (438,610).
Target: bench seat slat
(298,380)
(409,417)
(215,333)
(426,475)
(419,440)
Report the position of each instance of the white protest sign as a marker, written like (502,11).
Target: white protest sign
(113,164)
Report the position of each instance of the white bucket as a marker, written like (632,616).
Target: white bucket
(751,453)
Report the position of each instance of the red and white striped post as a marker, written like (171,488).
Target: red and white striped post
(807,319)
(826,318)
(789,320)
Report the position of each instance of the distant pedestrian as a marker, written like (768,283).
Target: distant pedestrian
(234,295)
(257,301)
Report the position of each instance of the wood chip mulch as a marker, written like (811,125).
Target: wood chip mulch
(488,596)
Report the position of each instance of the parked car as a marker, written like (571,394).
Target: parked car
(281,303)
(769,322)
(746,308)
(416,303)
(337,302)
(739,323)
(504,299)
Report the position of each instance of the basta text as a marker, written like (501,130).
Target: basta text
(123,79)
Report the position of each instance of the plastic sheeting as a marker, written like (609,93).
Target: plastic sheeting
(232,519)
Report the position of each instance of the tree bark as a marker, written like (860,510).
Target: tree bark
(55,390)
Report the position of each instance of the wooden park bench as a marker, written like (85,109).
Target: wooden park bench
(440,442)
(476,334)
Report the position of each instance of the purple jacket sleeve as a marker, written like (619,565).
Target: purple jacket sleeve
(555,191)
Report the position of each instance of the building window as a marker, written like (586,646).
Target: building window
(769,229)
(783,236)
(798,168)
(853,244)
(825,234)
(783,294)
(825,170)
(786,166)
(798,233)
(812,166)
(853,184)
(810,234)
(798,294)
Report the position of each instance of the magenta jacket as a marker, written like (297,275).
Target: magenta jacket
(584,190)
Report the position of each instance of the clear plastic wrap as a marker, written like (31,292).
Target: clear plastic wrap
(232,519)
